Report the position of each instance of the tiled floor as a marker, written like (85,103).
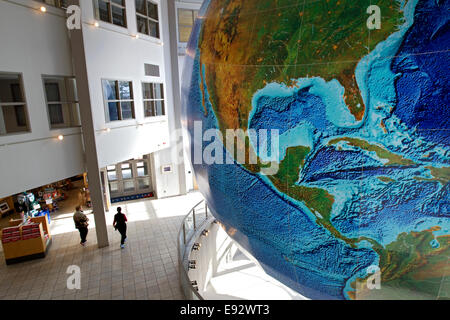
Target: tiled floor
(145,269)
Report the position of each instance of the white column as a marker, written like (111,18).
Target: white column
(169,27)
(87,123)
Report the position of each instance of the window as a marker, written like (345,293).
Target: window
(62,102)
(142,172)
(13,109)
(112,174)
(186,20)
(127,172)
(147,18)
(153,94)
(144,183)
(128,186)
(114,188)
(142,169)
(119,100)
(112,11)
(55,3)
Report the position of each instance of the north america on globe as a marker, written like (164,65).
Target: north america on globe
(363,119)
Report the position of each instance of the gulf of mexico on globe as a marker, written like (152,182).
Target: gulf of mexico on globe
(363,120)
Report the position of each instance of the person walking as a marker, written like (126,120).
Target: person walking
(81,223)
(120,223)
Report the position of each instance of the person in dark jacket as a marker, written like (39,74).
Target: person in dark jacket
(120,223)
(81,223)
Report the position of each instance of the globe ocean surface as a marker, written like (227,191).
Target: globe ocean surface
(359,205)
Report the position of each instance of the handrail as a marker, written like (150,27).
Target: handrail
(182,270)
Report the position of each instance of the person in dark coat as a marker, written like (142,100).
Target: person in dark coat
(120,224)
(81,223)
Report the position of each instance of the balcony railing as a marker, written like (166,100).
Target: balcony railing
(193,224)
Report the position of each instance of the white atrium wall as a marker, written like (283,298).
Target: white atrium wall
(172,183)
(35,44)
(112,53)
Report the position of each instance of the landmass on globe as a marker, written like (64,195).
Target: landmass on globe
(363,117)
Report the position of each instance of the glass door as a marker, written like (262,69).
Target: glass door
(128,178)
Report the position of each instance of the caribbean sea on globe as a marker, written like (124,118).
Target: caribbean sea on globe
(359,206)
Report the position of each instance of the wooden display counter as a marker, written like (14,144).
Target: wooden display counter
(26,248)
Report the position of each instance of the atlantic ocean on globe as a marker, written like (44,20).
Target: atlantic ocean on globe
(361,190)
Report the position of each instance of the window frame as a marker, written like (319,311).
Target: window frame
(111,4)
(108,170)
(61,4)
(147,18)
(144,100)
(118,101)
(185,25)
(24,104)
(75,103)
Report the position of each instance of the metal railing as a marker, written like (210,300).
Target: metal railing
(193,222)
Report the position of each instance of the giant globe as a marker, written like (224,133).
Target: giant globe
(337,179)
